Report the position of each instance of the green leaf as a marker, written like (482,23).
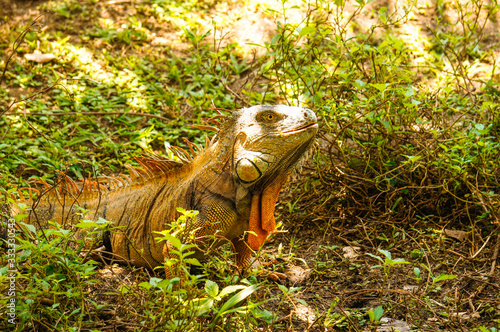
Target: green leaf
(387,125)
(86,224)
(254,44)
(378,312)
(409,92)
(20,217)
(399,261)
(172,239)
(145,285)
(413,158)
(371,315)
(379,86)
(386,253)
(102,221)
(30,228)
(307,31)
(25,254)
(3,270)
(376,257)
(124,289)
(230,289)
(192,261)
(442,277)
(360,83)
(237,298)
(184,248)
(155,281)
(163,284)
(301,301)
(211,288)
(204,307)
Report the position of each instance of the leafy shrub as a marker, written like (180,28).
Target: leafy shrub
(393,142)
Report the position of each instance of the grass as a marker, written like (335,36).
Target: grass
(408,97)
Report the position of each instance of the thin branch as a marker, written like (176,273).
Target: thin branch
(16,45)
(92,113)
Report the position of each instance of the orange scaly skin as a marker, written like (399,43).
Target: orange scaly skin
(234,184)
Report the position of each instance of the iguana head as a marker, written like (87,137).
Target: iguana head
(268,142)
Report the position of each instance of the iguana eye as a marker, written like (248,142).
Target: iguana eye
(269,117)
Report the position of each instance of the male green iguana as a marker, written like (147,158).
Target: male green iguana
(233,182)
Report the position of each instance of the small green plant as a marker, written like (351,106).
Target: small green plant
(211,306)
(485,329)
(417,253)
(375,315)
(433,287)
(180,240)
(387,262)
(334,319)
(53,276)
(416,272)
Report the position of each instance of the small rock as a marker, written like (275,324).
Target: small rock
(393,325)
(40,58)
(297,275)
(305,313)
(410,288)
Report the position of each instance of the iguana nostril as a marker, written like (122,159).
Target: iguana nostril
(309,115)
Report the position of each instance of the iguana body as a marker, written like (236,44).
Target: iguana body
(233,183)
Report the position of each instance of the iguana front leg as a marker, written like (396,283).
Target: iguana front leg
(243,253)
(244,260)
(213,223)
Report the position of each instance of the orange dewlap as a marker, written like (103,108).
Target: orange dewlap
(262,221)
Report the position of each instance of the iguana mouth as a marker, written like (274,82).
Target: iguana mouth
(311,125)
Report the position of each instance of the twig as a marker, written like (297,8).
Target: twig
(16,45)
(33,127)
(481,249)
(92,113)
(495,256)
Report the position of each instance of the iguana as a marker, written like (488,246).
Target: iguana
(233,182)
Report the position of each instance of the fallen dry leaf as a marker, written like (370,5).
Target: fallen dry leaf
(465,315)
(40,58)
(350,252)
(459,235)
